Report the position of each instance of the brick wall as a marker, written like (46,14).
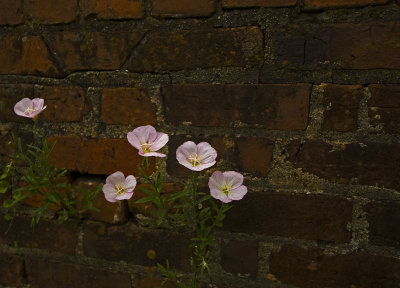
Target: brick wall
(301,96)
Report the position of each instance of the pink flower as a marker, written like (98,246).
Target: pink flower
(29,108)
(118,187)
(227,186)
(196,157)
(147,140)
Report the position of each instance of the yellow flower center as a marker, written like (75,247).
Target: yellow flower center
(146,147)
(226,188)
(120,188)
(30,110)
(194,159)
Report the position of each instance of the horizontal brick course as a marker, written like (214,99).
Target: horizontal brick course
(11,12)
(113,9)
(61,11)
(277,107)
(182,8)
(11,270)
(310,5)
(258,3)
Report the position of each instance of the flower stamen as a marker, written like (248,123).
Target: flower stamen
(146,147)
(226,188)
(30,110)
(194,159)
(120,189)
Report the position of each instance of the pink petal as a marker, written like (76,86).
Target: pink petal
(134,140)
(37,103)
(21,107)
(148,154)
(184,151)
(145,134)
(124,196)
(234,179)
(202,166)
(216,180)
(207,152)
(109,192)
(219,195)
(238,193)
(130,184)
(160,141)
(117,178)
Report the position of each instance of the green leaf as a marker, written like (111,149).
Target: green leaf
(144,200)
(4,186)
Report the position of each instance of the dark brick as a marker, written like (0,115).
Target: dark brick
(192,49)
(61,11)
(151,282)
(136,245)
(11,12)
(182,8)
(8,144)
(317,217)
(240,257)
(310,5)
(347,46)
(64,104)
(82,50)
(383,218)
(127,106)
(257,3)
(341,107)
(26,55)
(10,94)
(113,213)
(254,155)
(178,170)
(113,9)
(95,156)
(48,235)
(368,163)
(384,107)
(312,268)
(57,274)
(277,107)
(11,270)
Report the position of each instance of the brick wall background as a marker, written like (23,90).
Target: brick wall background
(302,96)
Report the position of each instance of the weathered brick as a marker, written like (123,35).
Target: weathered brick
(254,155)
(60,11)
(10,94)
(82,50)
(8,144)
(136,245)
(113,213)
(11,270)
(240,257)
(127,106)
(48,235)
(182,8)
(11,12)
(192,49)
(347,46)
(258,3)
(26,55)
(151,282)
(113,9)
(95,156)
(64,104)
(317,217)
(55,274)
(367,163)
(324,4)
(312,268)
(176,169)
(384,107)
(277,107)
(383,217)
(341,107)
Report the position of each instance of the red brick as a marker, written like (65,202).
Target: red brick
(113,9)
(258,3)
(11,270)
(127,106)
(26,55)
(182,8)
(316,217)
(275,107)
(11,12)
(324,4)
(254,155)
(384,107)
(192,49)
(64,104)
(348,46)
(113,213)
(136,245)
(48,235)
(178,170)
(383,218)
(312,268)
(367,163)
(240,257)
(341,103)
(95,156)
(55,274)
(81,50)
(61,11)
(10,94)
